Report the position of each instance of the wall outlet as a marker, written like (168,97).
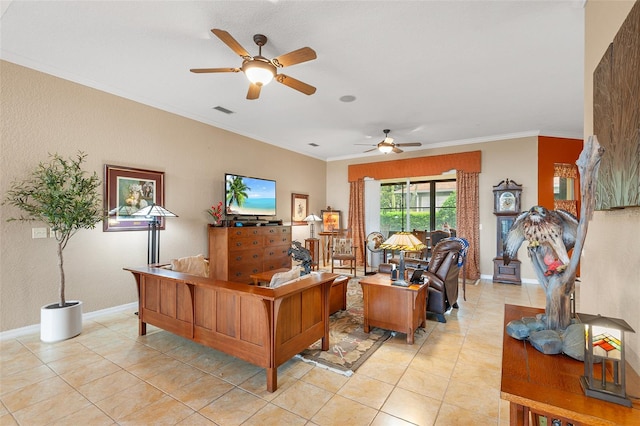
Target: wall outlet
(38,232)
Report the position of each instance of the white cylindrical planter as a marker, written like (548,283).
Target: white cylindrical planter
(58,324)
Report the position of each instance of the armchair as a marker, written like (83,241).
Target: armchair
(343,251)
(442,275)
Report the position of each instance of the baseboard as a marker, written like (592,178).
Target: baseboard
(35,328)
(524,280)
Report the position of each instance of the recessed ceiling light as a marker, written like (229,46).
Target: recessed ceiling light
(347,98)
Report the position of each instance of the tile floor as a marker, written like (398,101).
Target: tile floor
(108,375)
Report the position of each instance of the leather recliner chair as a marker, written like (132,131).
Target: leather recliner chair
(442,276)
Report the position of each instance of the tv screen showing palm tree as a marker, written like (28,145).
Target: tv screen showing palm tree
(249,196)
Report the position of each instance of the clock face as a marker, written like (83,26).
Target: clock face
(507,202)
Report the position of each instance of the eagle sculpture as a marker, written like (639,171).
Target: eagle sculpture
(550,233)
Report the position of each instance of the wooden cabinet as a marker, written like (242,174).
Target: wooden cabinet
(236,253)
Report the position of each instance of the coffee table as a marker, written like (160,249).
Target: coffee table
(402,309)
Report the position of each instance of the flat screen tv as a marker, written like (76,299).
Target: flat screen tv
(249,196)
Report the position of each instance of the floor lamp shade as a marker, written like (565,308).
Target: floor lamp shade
(153,212)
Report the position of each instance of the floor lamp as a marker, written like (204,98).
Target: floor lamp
(154,211)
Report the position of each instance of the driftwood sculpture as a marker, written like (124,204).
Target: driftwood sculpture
(551,234)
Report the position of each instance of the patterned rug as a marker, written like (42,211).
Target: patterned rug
(349,345)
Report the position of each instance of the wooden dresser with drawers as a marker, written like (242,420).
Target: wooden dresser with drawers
(237,252)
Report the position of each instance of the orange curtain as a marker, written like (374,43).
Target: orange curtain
(468,222)
(356,218)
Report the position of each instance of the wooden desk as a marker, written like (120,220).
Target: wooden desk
(549,385)
(391,307)
(265,277)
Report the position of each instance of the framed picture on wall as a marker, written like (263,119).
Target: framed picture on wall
(331,220)
(127,190)
(299,208)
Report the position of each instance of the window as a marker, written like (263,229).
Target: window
(424,205)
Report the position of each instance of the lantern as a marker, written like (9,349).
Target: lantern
(604,363)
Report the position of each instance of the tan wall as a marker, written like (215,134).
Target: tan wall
(42,114)
(515,159)
(610,263)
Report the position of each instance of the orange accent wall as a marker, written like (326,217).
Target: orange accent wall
(422,166)
(555,150)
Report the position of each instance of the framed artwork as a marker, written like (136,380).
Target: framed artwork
(331,220)
(127,190)
(299,208)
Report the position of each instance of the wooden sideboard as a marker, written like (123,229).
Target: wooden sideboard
(236,253)
(538,385)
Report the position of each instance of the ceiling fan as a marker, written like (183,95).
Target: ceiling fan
(260,70)
(386,145)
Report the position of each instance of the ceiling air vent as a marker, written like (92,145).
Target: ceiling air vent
(223,109)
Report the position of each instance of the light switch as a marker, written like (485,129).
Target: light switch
(38,232)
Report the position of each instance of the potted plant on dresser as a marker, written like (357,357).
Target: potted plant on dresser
(66,199)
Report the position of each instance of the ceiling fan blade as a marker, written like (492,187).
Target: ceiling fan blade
(254,91)
(231,42)
(409,144)
(372,149)
(296,84)
(303,54)
(205,70)
(366,144)
(397,150)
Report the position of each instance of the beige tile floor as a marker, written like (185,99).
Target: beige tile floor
(109,375)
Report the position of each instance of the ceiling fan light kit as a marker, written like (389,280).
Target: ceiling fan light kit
(260,70)
(385,148)
(387,145)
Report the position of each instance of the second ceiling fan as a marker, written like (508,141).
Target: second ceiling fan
(260,70)
(387,145)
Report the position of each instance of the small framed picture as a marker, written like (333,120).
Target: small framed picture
(299,208)
(127,190)
(331,220)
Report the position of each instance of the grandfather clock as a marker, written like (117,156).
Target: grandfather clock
(506,207)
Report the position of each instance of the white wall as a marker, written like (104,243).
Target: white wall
(610,265)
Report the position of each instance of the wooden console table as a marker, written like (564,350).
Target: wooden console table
(393,307)
(538,385)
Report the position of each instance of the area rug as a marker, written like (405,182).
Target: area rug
(349,345)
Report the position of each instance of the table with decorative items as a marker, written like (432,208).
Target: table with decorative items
(393,307)
(547,388)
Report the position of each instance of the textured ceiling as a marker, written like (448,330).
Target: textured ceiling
(436,72)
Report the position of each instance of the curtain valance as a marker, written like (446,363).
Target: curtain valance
(432,165)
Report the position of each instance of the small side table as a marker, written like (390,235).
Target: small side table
(313,245)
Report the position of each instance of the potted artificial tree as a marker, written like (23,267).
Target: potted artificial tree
(66,198)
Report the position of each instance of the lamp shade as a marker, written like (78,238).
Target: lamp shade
(312,218)
(154,210)
(403,241)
